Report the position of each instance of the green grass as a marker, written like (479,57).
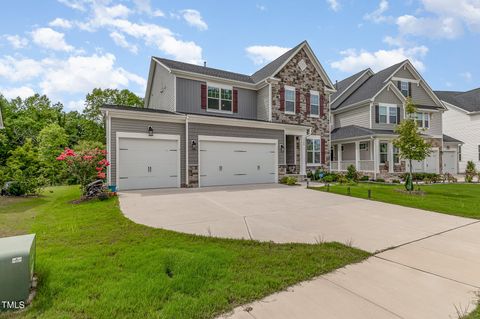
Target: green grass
(453,199)
(92,262)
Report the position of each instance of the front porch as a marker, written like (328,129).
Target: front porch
(370,156)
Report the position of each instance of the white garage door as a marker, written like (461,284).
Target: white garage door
(148,163)
(234,163)
(449,159)
(429,165)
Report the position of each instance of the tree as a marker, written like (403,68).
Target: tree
(411,144)
(470,171)
(51,141)
(99,97)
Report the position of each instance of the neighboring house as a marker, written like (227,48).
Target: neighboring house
(462,121)
(365,111)
(203,127)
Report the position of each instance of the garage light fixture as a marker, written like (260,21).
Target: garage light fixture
(194,145)
(150,131)
(282,148)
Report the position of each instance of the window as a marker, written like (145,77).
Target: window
(289,100)
(396,155)
(314,103)
(219,99)
(387,114)
(313,151)
(383,153)
(423,119)
(404,87)
(363,146)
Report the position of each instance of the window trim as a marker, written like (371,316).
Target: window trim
(220,87)
(424,115)
(388,107)
(408,88)
(365,149)
(398,155)
(313,151)
(380,152)
(290,88)
(314,93)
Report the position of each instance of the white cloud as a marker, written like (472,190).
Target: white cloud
(78,105)
(74,4)
(144,6)
(194,18)
(354,60)
(261,7)
(334,5)
(466,11)
(445,27)
(377,16)
(12,93)
(51,39)
(60,23)
(261,54)
(120,40)
(467,76)
(16,69)
(16,41)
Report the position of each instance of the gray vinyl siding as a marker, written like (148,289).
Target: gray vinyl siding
(194,130)
(263,101)
(388,97)
(436,128)
(403,73)
(162,95)
(357,116)
(189,100)
(419,92)
(141,126)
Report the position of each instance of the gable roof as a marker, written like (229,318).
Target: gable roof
(369,88)
(353,131)
(344,84)
(267,71)
(468,101)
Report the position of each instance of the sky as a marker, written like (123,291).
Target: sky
(65,48)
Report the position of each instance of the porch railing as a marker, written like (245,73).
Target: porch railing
(363,165)
(345,164)
(366,166)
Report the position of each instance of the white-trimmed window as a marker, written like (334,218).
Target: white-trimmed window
(314,103)
(363,146)
(383,153)
(387,114)
(219,98)
(313,150)
(405,88)
(396,155)
(423,119)
(289,99)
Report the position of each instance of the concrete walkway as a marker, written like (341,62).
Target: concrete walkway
(433,270)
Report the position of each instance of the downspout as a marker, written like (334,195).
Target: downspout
(374,151)
(186,151)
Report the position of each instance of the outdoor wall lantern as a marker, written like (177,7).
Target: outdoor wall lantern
(282,148)
(150,131)
(194,145)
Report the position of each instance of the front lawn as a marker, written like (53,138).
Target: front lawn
(92,262)
(454,199)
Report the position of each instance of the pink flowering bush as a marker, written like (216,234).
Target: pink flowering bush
(87,165)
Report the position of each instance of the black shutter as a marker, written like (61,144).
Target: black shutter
(377,114)
(410,89)
(399,85)
(398,115)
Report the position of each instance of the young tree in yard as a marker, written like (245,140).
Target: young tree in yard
(411,144)
(470,171)
(51,141)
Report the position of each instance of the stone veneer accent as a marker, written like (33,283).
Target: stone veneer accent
(192,176)
(306,80)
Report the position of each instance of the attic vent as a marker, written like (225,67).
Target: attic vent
(302,65)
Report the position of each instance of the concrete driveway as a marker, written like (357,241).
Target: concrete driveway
(426,265)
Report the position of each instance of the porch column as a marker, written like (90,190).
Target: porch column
(339,156)
(303,151)
(357,155)
(390,157)
(376,155)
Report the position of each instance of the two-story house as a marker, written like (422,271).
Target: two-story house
(365,111)
(204,127)
(462,121)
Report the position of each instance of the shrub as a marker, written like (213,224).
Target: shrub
(87,166)
(352,173)
(396,181)
(470,171)
(380,180)
(364,178)
(289,180)
(328,179)
(432,177)
(342,179)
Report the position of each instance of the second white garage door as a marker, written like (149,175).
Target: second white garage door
(234,162)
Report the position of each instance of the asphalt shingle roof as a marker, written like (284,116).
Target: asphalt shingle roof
(345,83)
(352,131)
(469,101)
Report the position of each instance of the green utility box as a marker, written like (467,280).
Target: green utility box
(17,262)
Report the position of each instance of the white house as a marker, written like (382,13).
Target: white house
(462,122)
